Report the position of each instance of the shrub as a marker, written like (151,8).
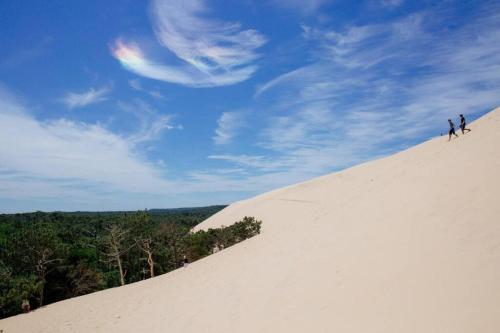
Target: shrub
(202,243)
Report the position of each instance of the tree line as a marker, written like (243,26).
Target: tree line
(48,257)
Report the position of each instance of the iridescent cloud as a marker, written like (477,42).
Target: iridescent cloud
(211,53)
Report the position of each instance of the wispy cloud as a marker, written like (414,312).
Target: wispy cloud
(67,157)
(81,99)
(302,72)
(371,90)
(137,85)
(244,160)
(212,53)
(228,126)
(151,123)
(305,7)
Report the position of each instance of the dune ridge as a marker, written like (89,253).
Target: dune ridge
(407,243)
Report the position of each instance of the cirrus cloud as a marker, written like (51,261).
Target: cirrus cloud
(211,53)
(370,90)
(81,99)
(227,127)
(70,157)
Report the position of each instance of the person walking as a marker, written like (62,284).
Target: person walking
(452,130)
(463,124)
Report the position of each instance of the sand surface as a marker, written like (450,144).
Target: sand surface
(408,243)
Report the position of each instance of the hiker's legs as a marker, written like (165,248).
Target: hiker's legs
(463,128)
(450,133)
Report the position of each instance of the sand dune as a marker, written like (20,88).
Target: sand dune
(408,243)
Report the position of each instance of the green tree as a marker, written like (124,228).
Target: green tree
(13,290)
(40,250)
(116,245)
(170,238)
(143,231)
(84,279)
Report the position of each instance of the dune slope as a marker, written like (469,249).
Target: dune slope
(408,243)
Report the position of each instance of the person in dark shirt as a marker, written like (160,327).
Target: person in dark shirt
(462,124)
(452,130)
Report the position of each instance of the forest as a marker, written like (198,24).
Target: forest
(48,257)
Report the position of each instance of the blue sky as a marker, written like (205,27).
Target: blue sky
(124,105)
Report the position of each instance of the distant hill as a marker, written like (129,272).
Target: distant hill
(164,211)
(187,210)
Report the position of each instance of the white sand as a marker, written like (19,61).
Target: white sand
(409,243)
